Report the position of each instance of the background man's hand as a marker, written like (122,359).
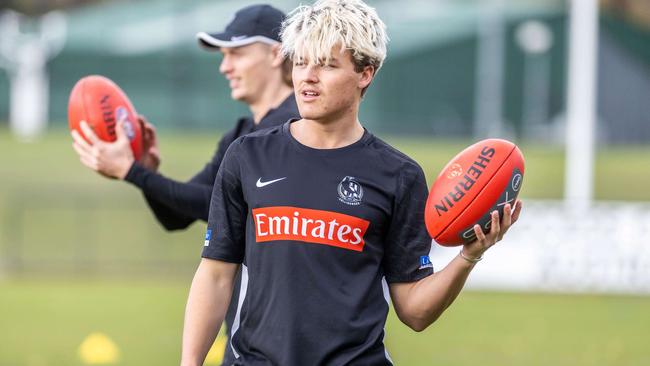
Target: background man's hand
(150,158)
(110,159)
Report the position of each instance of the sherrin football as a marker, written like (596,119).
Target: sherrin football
(101,103)
(480,179)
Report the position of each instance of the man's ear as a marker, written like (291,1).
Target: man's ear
(276,53)
(366,77)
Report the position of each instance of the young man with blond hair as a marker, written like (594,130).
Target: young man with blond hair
(317,226)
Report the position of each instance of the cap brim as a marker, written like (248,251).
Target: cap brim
(214,41)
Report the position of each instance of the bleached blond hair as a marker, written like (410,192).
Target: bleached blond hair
(311,32)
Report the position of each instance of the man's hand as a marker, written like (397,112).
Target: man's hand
(498,229)
(150,158)
(110,159)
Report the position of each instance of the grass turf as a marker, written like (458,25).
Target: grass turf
(44,322)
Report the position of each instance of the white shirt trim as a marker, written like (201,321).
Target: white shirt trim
(242,296)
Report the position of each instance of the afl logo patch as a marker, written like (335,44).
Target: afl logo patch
(121,114)
(350,191)
(455,170)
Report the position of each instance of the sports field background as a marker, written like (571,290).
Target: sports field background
(80,254)
(82,258)
(44,322)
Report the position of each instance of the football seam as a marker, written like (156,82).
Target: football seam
(479,193)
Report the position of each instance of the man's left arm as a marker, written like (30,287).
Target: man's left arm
(418,304)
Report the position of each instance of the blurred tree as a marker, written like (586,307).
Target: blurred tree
(636,11)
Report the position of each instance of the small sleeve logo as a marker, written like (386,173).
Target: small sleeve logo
(208,235)
(425,262)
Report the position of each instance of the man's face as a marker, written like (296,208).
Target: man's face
(247,69)
(326,92)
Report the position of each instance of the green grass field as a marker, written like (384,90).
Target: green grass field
(44,322)
(82,254)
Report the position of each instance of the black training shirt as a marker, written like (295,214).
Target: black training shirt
(316,230)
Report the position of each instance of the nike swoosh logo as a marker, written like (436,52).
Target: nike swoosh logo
(261,184)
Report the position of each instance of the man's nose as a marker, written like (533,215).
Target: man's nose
(311,73)
(226,65)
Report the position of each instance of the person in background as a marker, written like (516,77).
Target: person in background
(258,75)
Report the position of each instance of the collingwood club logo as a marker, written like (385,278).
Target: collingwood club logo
(350,191)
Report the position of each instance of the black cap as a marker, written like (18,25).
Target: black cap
(255,23)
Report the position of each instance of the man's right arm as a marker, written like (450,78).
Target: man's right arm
(176,204)
(206,308)
(225,244)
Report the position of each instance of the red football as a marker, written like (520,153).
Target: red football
(482,178)
(100,102)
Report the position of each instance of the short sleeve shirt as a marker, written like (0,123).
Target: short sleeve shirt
(316,230)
